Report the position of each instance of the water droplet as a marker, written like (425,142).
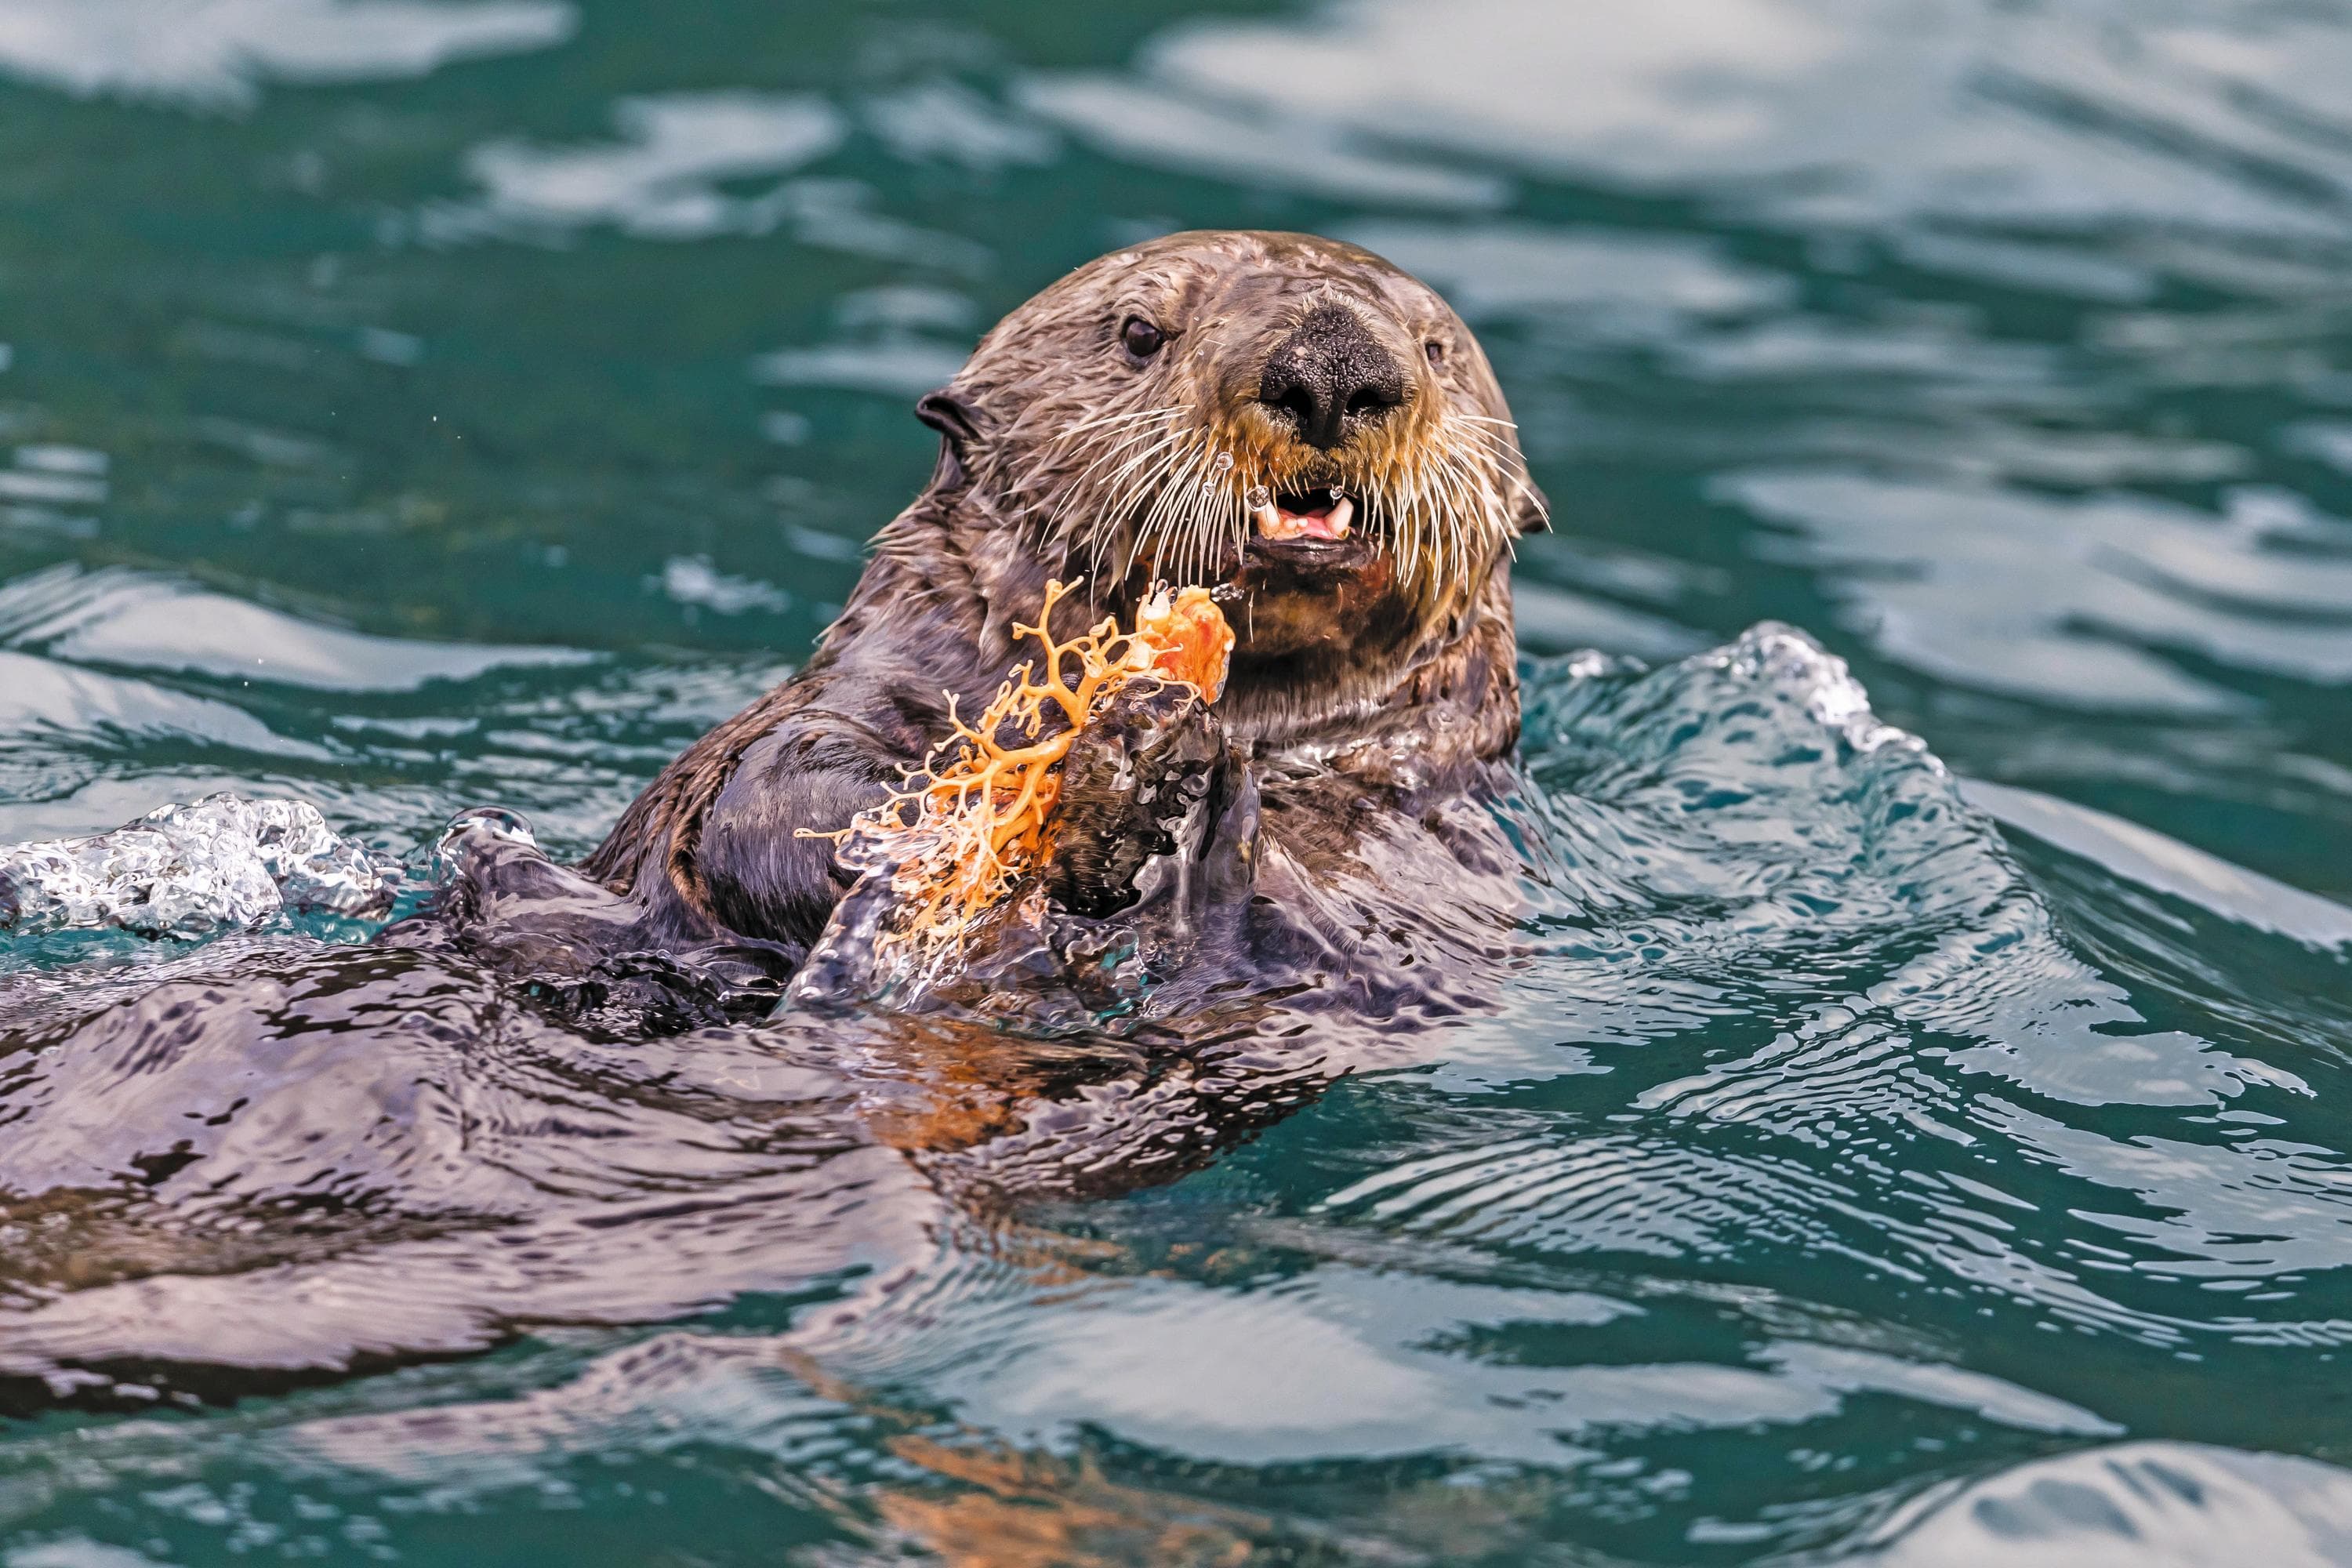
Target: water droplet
(1259,496)
(1338,495)
(1224,462)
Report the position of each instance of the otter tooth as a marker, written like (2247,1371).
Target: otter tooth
(1268,519)
(1343,510)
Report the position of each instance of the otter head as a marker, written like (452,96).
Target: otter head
(1290,421)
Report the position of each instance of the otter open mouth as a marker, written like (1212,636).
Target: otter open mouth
(1304,514)
(1308,535)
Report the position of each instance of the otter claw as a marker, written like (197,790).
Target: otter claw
(1134,786)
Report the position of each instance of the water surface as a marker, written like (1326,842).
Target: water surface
(1909,1124)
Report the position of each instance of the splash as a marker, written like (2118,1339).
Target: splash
(189,870)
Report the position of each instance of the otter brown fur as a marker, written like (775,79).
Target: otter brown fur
(1129,424)
(379,1136)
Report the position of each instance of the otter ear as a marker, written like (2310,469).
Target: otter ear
(1530,509)
(957,419)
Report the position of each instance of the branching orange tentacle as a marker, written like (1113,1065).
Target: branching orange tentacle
(976,817)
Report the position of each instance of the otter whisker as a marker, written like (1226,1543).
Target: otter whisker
(1211,507)
(1069,433)
(1498,446)
(1057,447)
(1089,535)
(1165,520)
(1471,498)
(1222,517)
(1132,455)
(1208,501)
(1124,443)
(1233,518)
(1116,417)
(1110,509)
(1464,507)
(1216,525)
(1420,519)
(1173,488)
(1185,529)
(1115,508)
(1432,517)
(1481,459)
(1499,440)
(1466,502)
(1160,493)
(1207,521)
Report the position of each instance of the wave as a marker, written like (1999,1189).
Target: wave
(1778,1049)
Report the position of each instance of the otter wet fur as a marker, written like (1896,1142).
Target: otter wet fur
(1290,421)
(534,1101)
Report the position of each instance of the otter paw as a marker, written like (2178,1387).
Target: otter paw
(1135,784)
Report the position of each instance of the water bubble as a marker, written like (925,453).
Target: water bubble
(1224,462)
(1259,496)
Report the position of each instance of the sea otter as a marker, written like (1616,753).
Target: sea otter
(277,1158)
(1290,419)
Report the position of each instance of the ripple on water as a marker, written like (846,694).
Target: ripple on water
(2063,600)
(1904,1047)
(1791,1064)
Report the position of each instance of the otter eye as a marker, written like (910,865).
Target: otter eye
(1141,338)
(1436,352)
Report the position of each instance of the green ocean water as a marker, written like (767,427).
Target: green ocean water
(1930,1153)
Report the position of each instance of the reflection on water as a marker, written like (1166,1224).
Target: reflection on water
(212,53)
(2134,1503)
(1803,112)
(118,617)
(662,181)
(2065,600)
(1925,1149)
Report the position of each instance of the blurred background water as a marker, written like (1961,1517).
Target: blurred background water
(407,405)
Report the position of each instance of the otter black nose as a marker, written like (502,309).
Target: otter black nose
(1329,372)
